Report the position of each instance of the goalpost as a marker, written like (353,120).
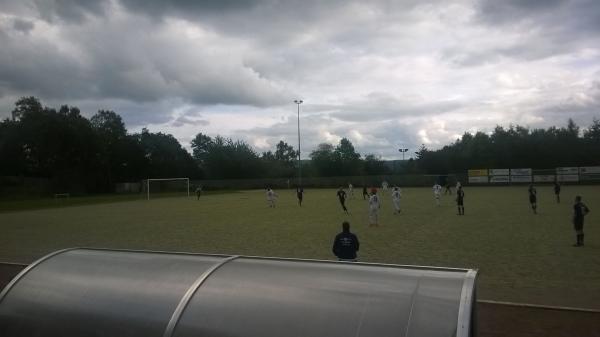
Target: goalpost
(186,180)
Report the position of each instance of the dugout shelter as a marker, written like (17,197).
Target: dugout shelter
(98,292)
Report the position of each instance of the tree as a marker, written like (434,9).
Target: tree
(166,158)
(282,163)
(285,152)
(373,165)
(347,159)
(201,145)
(26,105)
(324,161)
(224,158)
(121,156)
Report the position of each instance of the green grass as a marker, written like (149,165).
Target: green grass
(521,257)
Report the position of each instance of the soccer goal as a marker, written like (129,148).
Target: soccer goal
(167,186)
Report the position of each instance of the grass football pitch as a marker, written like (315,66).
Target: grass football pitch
(520,256)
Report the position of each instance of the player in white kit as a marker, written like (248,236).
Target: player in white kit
(271,197)
(437,192)
(396,195)
(374,206)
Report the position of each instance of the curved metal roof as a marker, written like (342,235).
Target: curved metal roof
(97,292)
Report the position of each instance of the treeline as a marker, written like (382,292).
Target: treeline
(224,158)
(516,147)
(91,155)
(87,155)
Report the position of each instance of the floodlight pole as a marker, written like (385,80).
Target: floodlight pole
(404,150)
(298,102)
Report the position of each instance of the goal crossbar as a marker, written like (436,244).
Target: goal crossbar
(165,179)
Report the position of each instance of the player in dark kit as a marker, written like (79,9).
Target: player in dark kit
(557,191)
(460,199)
(341,194)
(533,198)
(365,193)
(299,195)
(448,189)
(580,210)
(345,244)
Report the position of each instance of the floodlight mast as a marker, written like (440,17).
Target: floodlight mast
(403,150)
(298,102)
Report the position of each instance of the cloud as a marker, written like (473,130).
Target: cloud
(24,26)
(385,74)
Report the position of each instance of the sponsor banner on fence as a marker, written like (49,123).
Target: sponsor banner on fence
(499,179)
(544,178)
(499,172)
(589,170)
(478,173)
(567,170)
(568,177)
(520,179)
(478,180)
(589,177)
(520,172)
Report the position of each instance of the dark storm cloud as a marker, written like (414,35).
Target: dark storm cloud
(383,107)
(97,60)
(188,8)
(184,120)
(71,11)
(582,108)
(509,11)
(23,25)
(542,28)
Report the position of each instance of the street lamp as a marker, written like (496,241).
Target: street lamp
(298,102)
(403,152)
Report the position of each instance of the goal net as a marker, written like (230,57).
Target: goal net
(167,187)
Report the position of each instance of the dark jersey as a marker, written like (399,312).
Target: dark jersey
(460,196)
(342,195)
(532,191)
(579,211)
(345,246)
(299,193)
(556,189)
(532,195)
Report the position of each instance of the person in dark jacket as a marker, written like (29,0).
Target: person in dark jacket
(580,210)
(345,244)
(557,191)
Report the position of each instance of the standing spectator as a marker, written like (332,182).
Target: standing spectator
(580,210)
(345,244)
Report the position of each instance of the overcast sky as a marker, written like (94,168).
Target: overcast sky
(385,74)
